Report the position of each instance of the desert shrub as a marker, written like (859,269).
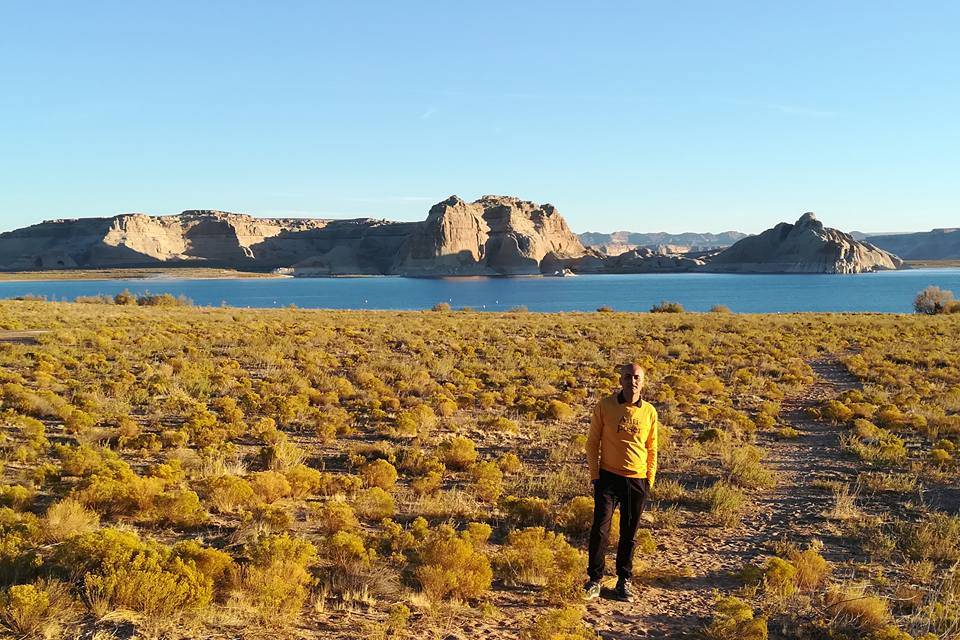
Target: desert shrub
(836,411)
(68,518)
(229,494)
(415,462)
(77,421)
(894,482)
(427,484)
(711,434)
(163,300)
(850,609)
(486,481)
(276,580)
(503,425)
(743,468)
(374,504)
(37,610)
(543,558)
(451,566)
(478,532)
(936,537)
(789,433)
(527,512)
(724,501)
(333,516)
(283,456)
(779,577)
(720,308)
(330,422)
(441,306)
(560,411)
(733,619)
(560,624)
(419,420)
(576,517)
(510,463)
(669,490)
(180,507)
(270,486)
(379,473)
(125,297)
(16,496)
(304,481)
(933,300)
(397,543)
(866,429)
(340,483)
(123,493)
(213,563)
(941,457)
(812,569)
(348,563)
(886,449)
(121,571)
(458,452)
(20,536)
(667,307)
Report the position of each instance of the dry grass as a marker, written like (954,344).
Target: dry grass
(319,425)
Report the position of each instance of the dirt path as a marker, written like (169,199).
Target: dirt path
(678,607)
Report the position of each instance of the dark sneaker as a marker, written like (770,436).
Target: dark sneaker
(591,590)
(624,592)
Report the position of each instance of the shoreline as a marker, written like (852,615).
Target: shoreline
(160,274)
(210,273)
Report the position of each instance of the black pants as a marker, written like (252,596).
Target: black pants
(609,491)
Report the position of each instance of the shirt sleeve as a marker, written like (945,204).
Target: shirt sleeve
(593,442)
(652,449)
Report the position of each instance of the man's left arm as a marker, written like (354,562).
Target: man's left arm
(652,449)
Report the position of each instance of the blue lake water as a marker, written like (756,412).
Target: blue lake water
(891,291)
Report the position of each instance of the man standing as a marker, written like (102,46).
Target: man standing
(622,456)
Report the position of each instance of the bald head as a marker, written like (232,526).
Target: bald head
(631,381)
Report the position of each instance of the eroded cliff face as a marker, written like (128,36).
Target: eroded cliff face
(804,247)
(495,235)
(641,260)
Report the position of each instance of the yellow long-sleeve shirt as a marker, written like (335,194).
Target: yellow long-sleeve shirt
(623,439)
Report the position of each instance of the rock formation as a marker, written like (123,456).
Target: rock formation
(634,261)
(667,243)
(938,244)
(804,247)
(495,235)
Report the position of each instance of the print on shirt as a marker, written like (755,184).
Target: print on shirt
(628,424)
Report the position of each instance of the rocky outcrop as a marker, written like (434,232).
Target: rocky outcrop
(634,261)
(938,244)
(804,247)
(667,243)
(495,235)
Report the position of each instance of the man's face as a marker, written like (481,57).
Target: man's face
(631,380)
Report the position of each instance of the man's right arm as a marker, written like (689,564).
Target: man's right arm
(593,442)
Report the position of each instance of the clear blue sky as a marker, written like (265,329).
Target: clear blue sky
(647,116)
